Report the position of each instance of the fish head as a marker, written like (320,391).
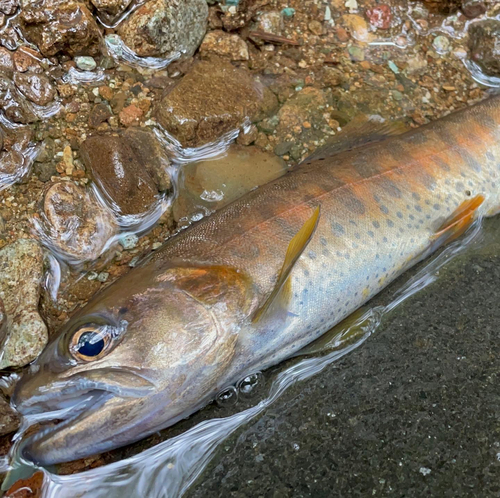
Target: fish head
(141,355)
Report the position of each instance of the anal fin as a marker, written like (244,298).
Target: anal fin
(461,219)
(282,289)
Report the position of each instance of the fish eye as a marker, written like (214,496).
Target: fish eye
(90,342)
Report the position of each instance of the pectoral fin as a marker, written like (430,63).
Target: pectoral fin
(281,291)
(459,221)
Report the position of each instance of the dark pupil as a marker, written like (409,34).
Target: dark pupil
(90,344)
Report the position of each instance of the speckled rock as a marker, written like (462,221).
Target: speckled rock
(27,59)
(6,61)
(208,185)
(35,87)
(8,7)
(57,26)
(21,271)
(212,99)
(118,172)
(13,103)
(164,27)
(270,22)
(9,419)
(484,46)
(75,224)
(151,155)
(225,44)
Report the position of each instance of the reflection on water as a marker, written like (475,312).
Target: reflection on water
(170,468)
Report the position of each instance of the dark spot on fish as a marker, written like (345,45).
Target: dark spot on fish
(376,224)
(357,235)
(323,241)
(490,156)
(418,208)
(415,196)
(385,239)
(399,214)
(353,204)
(338,229)
(441,163)
(390,223)
(471,160)
(390,187)
(371,234)
(384,209)
(437,207)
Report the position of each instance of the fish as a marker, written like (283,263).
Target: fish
(257,281)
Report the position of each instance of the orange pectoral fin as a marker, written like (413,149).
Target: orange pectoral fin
(459,221)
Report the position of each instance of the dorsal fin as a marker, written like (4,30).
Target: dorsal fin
(361,130)
(296,247)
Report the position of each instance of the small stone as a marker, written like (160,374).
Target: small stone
(225,44)
(316,28)
(396,95)
(128,241)
(21,273)
(357,26)
(6,61)
(77,224)
(473,8)
(9,419)
(131,115)
(119,173)
(270,22)
(35,87)
(103,276)
(356,53)
(248,135)
(441,44)
(380,16)
(288,12)
(9,7)
(85,63)
(106,92)
(99,114)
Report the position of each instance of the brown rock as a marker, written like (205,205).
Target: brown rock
(316,28)
(212,99)
(116,169)
(9,7)
(443,6)
(109,9)
(484,46)
(27,59)
(35,87)
(106,92)
(99,114)
(131,115)
(9,419)
(225,44)
(13,104)
(57,26)
(30,487)
(151,154)
(75,222)
(473,8)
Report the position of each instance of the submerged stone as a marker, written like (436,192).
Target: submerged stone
(35,87)
(118,172)
(484,46)
(21,272)
(9,419)
(209,185)
(212,99)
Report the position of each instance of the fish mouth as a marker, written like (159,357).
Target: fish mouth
(72,412)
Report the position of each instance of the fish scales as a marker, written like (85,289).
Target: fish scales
(206,309)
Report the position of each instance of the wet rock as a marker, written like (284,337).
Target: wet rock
(110,9)
(3,323)
(380,16)
(6,61)
(75,223)
(30,487)
(99,114)
(85,63)
(165,27)
(21,272)
(13,104)
(27,59)
(121,176)
(441,44)
(55,26)
(151,154)
(131,115)
(484,46)
(8,7)
(212,99)
(35,87)
(9,419)
(443,6)
(209,185)
(473,8)
(225,44)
